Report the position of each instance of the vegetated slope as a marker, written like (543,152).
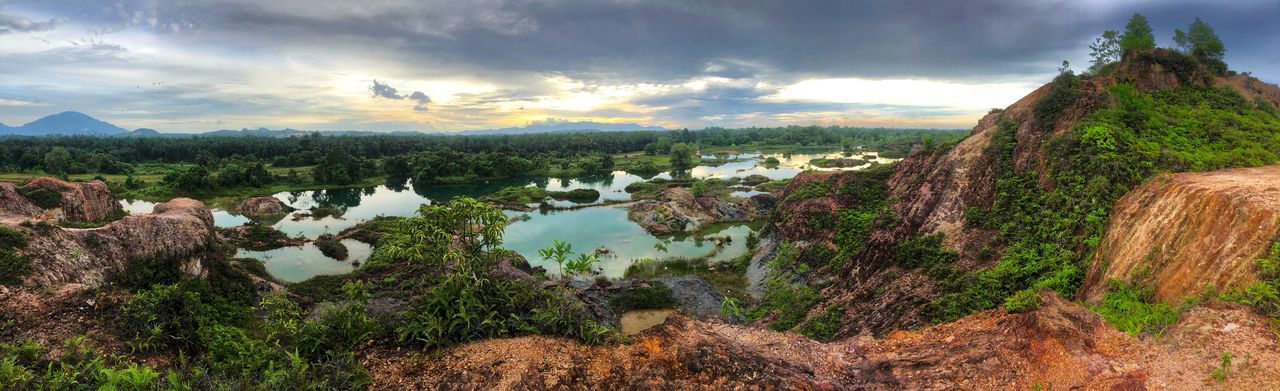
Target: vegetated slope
(1060,345)
(1018,206)
(1184,232)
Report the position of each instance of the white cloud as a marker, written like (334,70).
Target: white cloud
(904,92)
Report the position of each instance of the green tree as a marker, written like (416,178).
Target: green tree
(681,156)
(57,161)
(1202,43)
(337,167)
(1137,35)
(1106,51)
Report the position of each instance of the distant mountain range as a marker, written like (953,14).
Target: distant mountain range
(71,123)
(68,123)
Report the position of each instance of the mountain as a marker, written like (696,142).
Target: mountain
(145,132)
(68,123)
(564,127)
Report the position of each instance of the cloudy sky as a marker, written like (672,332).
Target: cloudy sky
(201,65)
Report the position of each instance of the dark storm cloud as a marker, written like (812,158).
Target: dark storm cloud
(522,49)
(664,40)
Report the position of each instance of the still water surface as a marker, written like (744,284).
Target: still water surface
(586,229)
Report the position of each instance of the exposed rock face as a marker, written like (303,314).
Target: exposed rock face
(694,296)
(14,207)
(264,206)
(1189,231)
(1062,344)
(178,229)
(80,201)
(677,210)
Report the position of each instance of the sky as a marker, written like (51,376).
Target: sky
(391,65)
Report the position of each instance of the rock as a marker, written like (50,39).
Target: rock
(179,229)
(694,296)
(677,210)
(1187,231)
(71,201)
(264,206)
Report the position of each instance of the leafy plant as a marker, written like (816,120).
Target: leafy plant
(730,309)
(1223,371)
(557,252)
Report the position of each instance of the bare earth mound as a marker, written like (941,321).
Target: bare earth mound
(1060,346)
(1189,231)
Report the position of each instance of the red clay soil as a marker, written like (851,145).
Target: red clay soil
(1060,346)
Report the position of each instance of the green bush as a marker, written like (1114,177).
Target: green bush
(576,195)
(331,247)
(13,266)
(1025,300)
(163,317)
(811,190)
(44,198)
(1134,310)
(1065,90)
(824,327)
(790,301)
(141,274)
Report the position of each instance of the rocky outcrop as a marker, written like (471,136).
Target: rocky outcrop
(1186,231)
(70,201)
(180,229)
(14,207)
(677,210)
(264,206)
(1062,344)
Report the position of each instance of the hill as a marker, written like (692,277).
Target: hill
(68,123)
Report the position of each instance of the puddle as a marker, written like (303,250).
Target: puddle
(634,322)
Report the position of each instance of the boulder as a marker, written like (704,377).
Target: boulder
(264,206)
(70,201)
(677,210)
(180,229)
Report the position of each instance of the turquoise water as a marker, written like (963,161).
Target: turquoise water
(586,229)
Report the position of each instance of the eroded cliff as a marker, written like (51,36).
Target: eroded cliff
(1183,232)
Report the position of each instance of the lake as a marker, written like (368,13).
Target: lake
(587,229)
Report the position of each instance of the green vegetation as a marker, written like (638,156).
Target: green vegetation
(161,168)
(824,327)
(1050,232)
(810,190)
(1132,308)
(331,247)
(726,277)
(44,198)
(1264,294)
(1223,371)
(1065,90)
(13,266)
(789,301)
(1137,35)
(468,304)
(652,297)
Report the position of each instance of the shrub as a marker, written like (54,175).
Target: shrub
(1025,300)
(44,198)
(331,247)
(811,190)
(576,195)
(1133,309)
(143,273)
(164,317)
(824,327)
(790,302)
(1065,90)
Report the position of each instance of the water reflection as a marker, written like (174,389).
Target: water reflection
(605,227)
